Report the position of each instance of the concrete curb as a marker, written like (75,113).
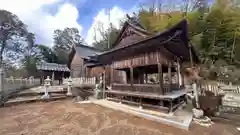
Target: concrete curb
(34,99)
(182,125)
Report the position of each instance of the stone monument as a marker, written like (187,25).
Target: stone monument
(69,90)
(47,83)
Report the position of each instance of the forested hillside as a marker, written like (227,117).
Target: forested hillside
(214,31)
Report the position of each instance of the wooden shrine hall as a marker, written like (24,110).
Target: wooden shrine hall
(54,71)
(138,54)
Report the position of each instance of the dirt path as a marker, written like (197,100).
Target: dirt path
(68,118)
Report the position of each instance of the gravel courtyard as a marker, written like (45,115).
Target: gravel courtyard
(68,118)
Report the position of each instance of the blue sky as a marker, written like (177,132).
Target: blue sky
(90,9)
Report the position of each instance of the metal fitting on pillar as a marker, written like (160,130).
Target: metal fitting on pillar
(69,91)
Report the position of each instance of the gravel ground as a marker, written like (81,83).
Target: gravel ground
(68,118)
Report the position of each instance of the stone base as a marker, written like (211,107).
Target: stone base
(197,113)
(45,97)
(69,94)
(203,121)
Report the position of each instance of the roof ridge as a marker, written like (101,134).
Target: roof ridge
(87,46)
(139,28)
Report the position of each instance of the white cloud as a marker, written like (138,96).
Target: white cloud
(102,18)
(39,20)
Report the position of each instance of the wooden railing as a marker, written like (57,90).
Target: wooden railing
(80,81)
(219,89)
(148,88)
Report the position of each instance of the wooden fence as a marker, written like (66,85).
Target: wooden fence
(217,89)
(13,85)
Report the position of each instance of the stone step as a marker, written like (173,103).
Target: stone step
(230,116)
(226,119)
(26,94)
(30,99)
(230,109)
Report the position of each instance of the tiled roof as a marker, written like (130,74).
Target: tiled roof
(52,67)
(85,51)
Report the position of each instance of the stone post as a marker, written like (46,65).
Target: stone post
(47,83)
(81,80)
(1,87)
(230,84)
(94,80)
(69,91)
(195,91)
(21,81)
(98,89)
(32,80)
(26,82)
(12,78)
(197,112)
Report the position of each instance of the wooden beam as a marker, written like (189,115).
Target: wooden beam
(131,75)
(179,76)
(170,106)
(42,77)
(111,68)
(53,76)
(190,54)
(143,105)
(104,81)
(178,73)
(160,77)
(146,77)
(140,103)
(169,77)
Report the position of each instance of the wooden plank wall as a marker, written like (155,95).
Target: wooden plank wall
(145,59)
(94,71)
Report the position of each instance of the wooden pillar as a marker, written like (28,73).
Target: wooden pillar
(179,76)
(170,106)
(53,78)
(160,74)
(190,53)
(160,77)
(140,103)
(142,78)
(112,75)
(42,78)
(131,75)
(169,77)
(146,77)
(104,81)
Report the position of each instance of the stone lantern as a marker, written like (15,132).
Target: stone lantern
(69,83)
(47,83)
